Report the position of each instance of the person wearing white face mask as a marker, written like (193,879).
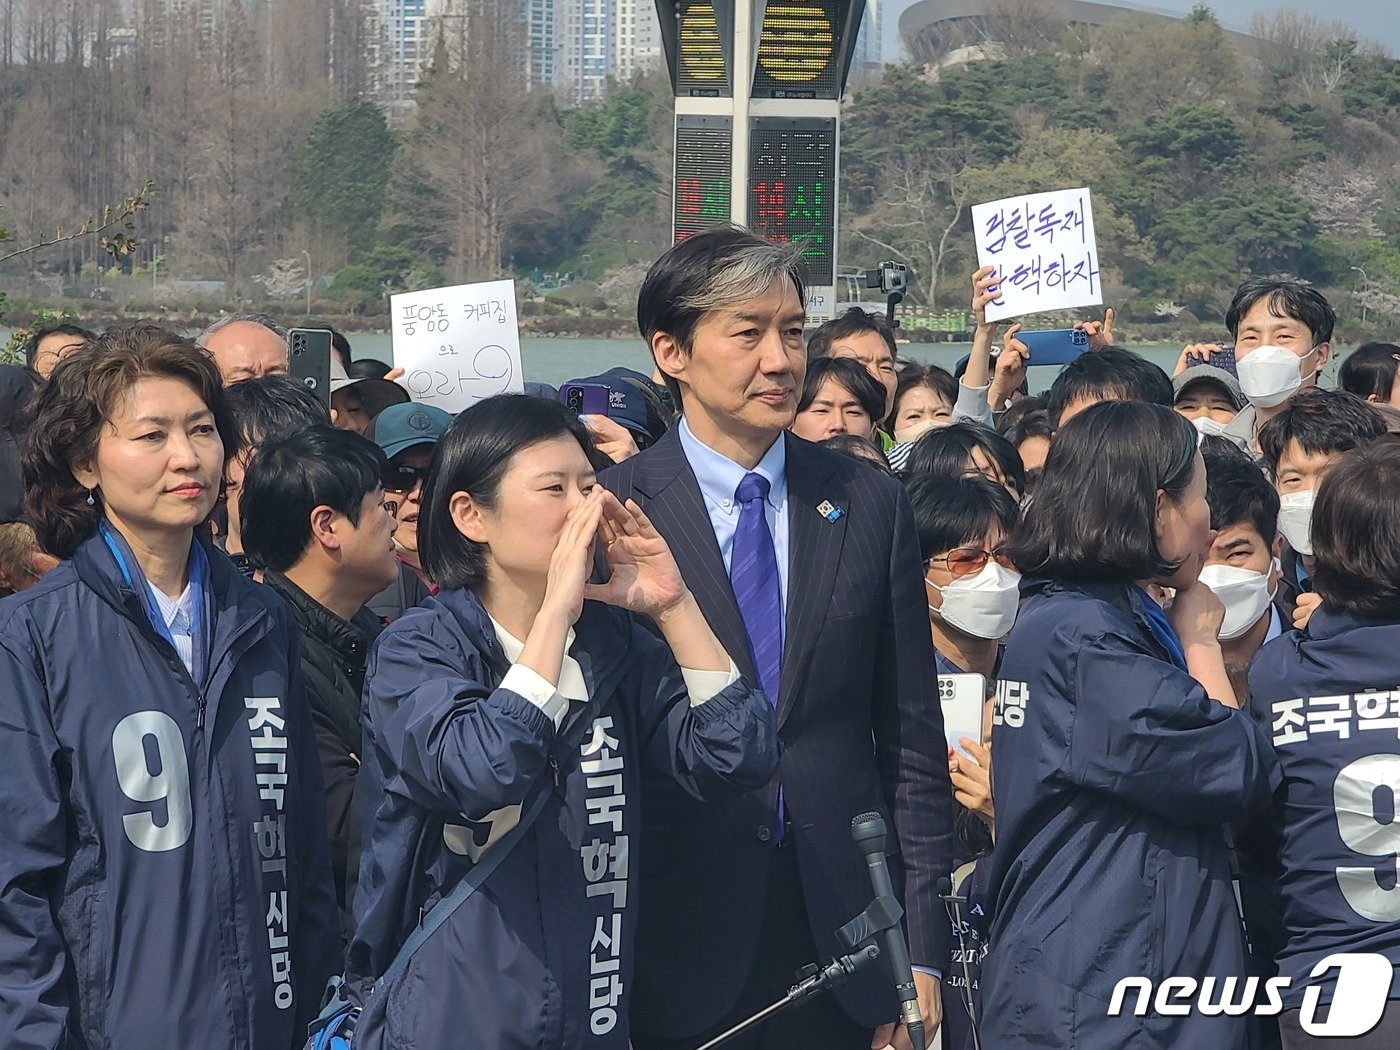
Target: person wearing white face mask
(972,592)
(1208,396)
(1297,447)
(1242,569)
(1242,566)
(1282,327)
(972,586)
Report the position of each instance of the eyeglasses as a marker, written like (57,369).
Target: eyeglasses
(964,561)
(402,479)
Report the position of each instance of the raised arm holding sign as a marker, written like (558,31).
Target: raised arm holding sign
(458,345)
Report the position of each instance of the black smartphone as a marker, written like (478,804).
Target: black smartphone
(587,399)
(1223,357)
(309,353)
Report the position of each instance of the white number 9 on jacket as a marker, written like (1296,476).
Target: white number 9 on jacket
(170,782)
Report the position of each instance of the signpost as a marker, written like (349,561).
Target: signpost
(758,88)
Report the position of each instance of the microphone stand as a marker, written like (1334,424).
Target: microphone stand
(812,980)
(953,901)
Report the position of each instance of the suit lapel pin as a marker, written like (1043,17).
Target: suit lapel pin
(829,512)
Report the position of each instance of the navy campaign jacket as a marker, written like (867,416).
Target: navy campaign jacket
(1329,700)
(1113,774)
(541,956)
(164,873)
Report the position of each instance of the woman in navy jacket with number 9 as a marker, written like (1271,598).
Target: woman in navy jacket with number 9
(164,872)
(1119,752)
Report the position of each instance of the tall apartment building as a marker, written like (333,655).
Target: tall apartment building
(574,47)
(602,40)
(405,49)
(637,38)
(542,33)
(869,55)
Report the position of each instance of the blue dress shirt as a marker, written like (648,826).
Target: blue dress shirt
(719,477)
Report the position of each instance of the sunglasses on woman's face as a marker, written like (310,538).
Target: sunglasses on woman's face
(965,561)
(402,479)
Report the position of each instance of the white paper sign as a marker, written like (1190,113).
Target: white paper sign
(457,345)
(1042,245)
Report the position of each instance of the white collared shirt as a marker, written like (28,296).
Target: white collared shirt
(718,477)
(178,614)
(554,700)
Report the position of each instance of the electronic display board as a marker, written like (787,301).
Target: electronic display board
(702,48)
(797,50)
(792,187)
(704,151)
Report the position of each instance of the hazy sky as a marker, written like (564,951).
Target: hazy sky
(1371,18)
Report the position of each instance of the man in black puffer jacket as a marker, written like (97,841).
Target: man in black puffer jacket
(314,515)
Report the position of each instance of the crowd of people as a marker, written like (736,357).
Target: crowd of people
(530,729)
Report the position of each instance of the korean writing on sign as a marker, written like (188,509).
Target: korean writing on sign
(605,868)
(1043,248)
(1340,716)
(268,736)
(458,345)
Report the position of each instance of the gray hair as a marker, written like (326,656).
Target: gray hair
(745,274)
(264,320)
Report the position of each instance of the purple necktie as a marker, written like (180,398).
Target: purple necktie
(753,571)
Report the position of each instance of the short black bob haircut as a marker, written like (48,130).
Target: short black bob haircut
(857,447)
(1237,490)
(1323,422)
(1369,371)
(1024,420)
(367,368)
(1110,374)
(472,456)
(851,376)
(855,321)
(1356,533)
(1286,297)
(708,271)
(294,473)
(947,453)
(1094,515)
(272,405)
(956,511)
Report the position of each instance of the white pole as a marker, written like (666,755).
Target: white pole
(742,72)
(308,281)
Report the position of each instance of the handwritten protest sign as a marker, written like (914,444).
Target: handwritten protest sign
(457,345)
(1042,245)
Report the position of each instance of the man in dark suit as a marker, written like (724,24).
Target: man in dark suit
(806,564)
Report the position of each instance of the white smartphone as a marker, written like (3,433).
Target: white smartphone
(962,697)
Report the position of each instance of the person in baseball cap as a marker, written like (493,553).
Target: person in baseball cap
(356,402)
(1208,396)
(407,433)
